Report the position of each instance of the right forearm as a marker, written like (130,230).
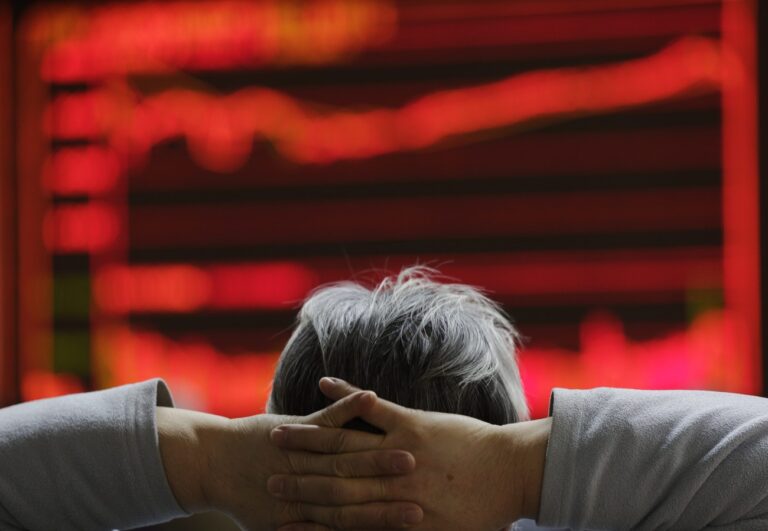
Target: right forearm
(534,446)
(522,448)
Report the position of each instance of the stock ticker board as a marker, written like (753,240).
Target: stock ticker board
(194,169)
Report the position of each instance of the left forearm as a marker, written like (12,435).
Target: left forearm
(185,447)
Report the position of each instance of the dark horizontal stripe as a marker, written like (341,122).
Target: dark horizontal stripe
(606,241)
(656,116)
(594,299)
(74,262)
(57,89)
(665,312)
(61,143)
(70,324)
(276,322)
(70,199)
(436,188)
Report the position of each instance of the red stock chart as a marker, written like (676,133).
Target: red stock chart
(190,171)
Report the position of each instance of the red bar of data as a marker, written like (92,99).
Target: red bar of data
(186,287)
(88,170)
(172,288)
(82,115)
(91,227)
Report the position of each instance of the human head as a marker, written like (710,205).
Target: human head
(414,341)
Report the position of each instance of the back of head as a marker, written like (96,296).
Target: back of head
(414,341)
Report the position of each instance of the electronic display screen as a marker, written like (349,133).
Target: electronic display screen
(191,171)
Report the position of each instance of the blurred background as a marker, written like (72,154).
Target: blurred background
(175,177)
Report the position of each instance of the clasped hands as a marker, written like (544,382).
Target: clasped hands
(428,471)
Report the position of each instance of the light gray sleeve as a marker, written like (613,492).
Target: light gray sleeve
(625,459)
(89,461)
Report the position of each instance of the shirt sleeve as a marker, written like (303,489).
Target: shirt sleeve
(87,461)
(626,459)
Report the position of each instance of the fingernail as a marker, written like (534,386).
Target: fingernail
(331,379)
(402,462)
(412,516)
(278,435)
(275,486)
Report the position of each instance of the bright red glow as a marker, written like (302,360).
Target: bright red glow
(178,288)
(222,141)
(698,358)
(184,288)
(88,170)
(38,384)
(203,378)
(82,115)
(270,285)
(741,185)
(164,36)
(81,228)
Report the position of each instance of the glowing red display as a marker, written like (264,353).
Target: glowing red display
(326,182)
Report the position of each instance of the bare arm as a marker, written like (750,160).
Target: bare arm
(216,463)
(119,459)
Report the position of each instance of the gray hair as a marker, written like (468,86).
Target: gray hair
(412,340)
